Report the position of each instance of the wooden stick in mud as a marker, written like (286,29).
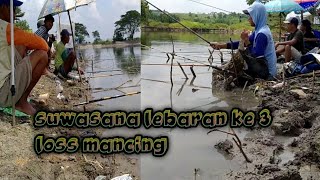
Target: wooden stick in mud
(244,88)
(314,81)
(210,59)
(185,75)
(107,98)
(171,73)
(194,74)
(236,140)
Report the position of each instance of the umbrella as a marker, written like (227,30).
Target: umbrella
(55,7)
(282,6)
(307,4)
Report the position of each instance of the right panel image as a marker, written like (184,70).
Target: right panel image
(209,56)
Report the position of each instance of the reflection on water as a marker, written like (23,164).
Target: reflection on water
(110,68)
(189,149)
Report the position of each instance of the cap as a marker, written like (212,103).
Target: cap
(292,20)
(49,18)
(65,32)
(246,12)
(7,2)
(40,23)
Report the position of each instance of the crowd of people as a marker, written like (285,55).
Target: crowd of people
(297,48)
(32,58)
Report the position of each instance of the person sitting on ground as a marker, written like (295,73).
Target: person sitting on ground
(28,69)
(260,44)
(64,58)
(310,40)
(43,31)
(293,47)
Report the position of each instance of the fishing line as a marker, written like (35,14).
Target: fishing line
(210,6)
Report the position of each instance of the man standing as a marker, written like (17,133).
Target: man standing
(64,58)
(293,47)
(260,44)
(28,69)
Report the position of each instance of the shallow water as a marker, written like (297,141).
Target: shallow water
(189,149)
(114,67)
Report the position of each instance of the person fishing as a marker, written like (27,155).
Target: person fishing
(261,61)
(28,68)
(64,58)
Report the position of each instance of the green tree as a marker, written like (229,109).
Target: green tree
(81,33)
(22,24)
(145,12)
(128,24)
(96,36)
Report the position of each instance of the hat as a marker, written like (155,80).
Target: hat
(7,2)
(65,32)
(49,18)
(246,12)
(292,20)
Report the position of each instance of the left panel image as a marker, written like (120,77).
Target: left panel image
(69,55)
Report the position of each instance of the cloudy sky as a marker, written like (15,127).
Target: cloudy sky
(99,15)
(102,14)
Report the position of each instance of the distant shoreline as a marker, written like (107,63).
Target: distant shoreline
(114,45)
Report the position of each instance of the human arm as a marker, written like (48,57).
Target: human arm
(29,40)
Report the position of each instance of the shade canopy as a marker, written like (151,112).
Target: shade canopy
(285,6)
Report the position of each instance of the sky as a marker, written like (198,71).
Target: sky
(186,6)
(100,15)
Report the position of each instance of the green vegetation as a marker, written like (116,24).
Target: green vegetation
(81,33)
(22,24)
(128,25)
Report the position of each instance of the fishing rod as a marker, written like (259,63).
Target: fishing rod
(106,98)
(210,6)
(192,31)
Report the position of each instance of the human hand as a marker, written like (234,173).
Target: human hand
(277,45)
(245,35)
(215,46)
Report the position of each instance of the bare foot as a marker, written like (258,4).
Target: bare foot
(26,108)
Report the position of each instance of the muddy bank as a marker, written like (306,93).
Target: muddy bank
(17,157)
(295,108)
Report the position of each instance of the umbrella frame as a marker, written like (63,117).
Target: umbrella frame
(13,89)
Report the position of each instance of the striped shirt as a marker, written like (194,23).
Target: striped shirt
(42,32)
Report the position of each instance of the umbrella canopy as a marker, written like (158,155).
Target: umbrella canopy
(278,6)
(55,7)
(307,4)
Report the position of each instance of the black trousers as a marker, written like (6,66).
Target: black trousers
(257,67)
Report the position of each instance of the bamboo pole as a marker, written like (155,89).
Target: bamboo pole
(107,98)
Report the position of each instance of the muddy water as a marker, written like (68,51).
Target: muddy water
(112,68)
(189,149)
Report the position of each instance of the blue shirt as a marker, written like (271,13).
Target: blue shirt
(256,51)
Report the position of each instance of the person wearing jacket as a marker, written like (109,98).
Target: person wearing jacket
(260,44)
